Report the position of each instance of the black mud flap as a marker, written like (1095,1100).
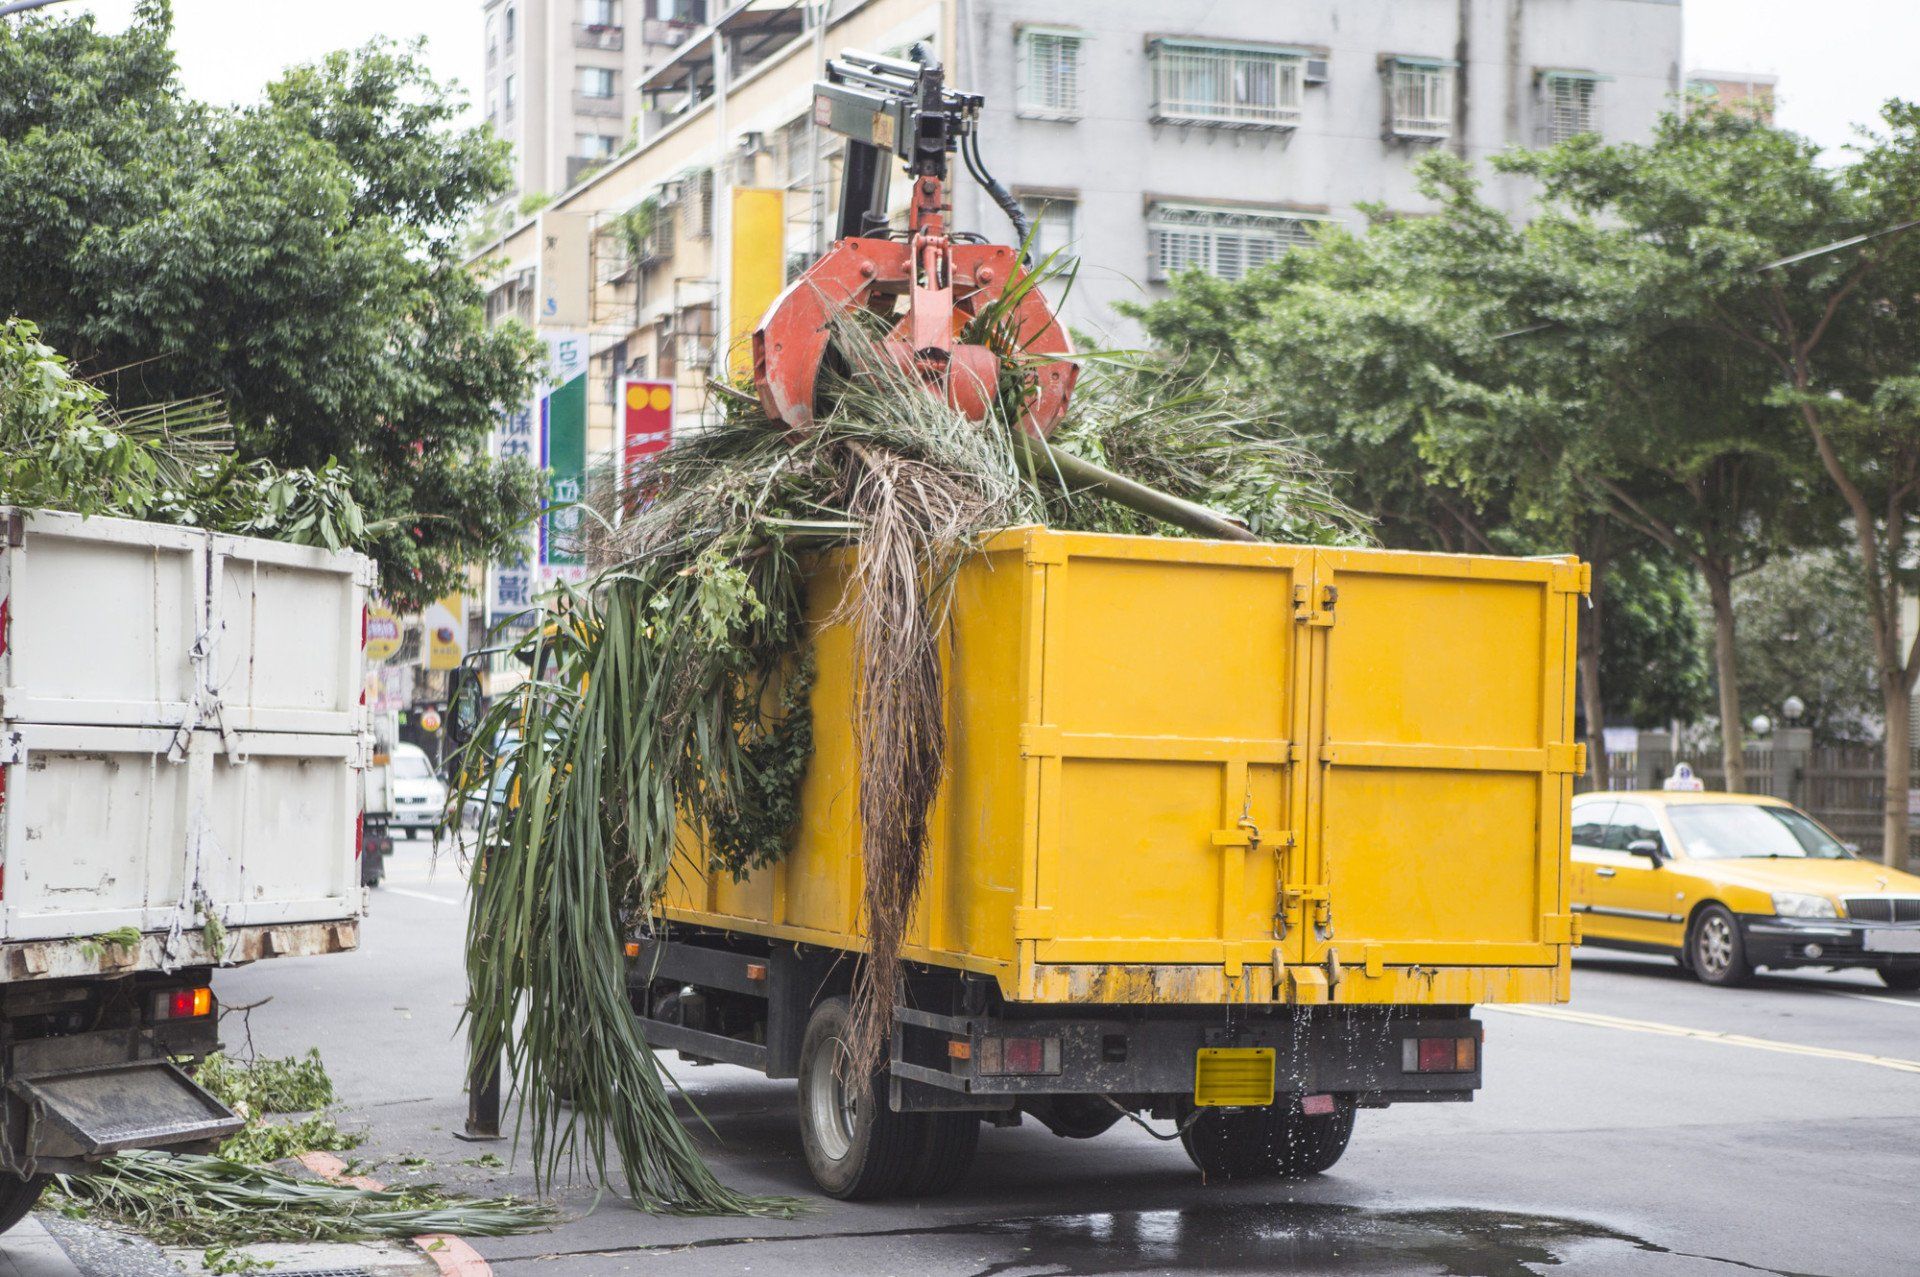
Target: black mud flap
(96,1111)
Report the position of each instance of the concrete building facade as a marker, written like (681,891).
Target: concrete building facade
(1148,136)
(559,77)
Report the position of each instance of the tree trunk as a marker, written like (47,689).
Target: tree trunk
(1727,672)
(1893,825)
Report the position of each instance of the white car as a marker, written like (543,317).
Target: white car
(419,796)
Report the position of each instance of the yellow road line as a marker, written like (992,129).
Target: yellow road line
(1592,1020)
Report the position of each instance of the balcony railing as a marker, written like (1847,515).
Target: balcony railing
(593,104)
(598,36)
(663,31)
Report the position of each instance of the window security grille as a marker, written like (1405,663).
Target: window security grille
(1225,84)
(1049,67)
(1055,226)
(1220,241)
(1422,99)
(1572,108)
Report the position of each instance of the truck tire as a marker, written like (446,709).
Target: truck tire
(945,1154)
(18,1194)
(1905,979)
(1266,1142)
(856,1146)
(1716,951)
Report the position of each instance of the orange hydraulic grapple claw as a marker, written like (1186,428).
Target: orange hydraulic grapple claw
(928,286)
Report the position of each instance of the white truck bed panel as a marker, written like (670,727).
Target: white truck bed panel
(288,619)
(102,618)
(182,735)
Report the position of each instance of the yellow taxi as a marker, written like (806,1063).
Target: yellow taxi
(1729,882)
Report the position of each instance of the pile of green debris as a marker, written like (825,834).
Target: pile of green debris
(671,691)
(235,1196)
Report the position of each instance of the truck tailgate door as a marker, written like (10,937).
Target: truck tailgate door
(1437,835)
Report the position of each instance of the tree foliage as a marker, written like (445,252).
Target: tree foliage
(296,259)
(64,447)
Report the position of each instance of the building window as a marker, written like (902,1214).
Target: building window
(510,94)
(596,82)
(1232,84)
(599,13)
(1054,226)
(1572,104)
(1228,242)
(796,152)
(696,203)
(493,42)
(1422,97)
(1049,70)
(681,12)
(595,146)
(512,22)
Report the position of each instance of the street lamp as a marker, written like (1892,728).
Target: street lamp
(1761,724)
(1792,708)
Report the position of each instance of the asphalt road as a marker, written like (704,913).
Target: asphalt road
(1622,1134)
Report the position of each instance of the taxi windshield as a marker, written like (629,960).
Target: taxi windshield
(1731,831)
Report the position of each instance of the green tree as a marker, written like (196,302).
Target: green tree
(1809,274)
(1651,655)
(296,259)
(1810,635)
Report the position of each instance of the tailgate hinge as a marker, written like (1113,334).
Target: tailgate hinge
(1559,928)
(1571,578)
(1567,758)
(1032,922)
(16,528)
(1311,610)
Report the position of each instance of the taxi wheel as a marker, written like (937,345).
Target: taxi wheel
(1717,955)
(1905,979)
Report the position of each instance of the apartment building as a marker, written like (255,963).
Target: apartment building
(1147,137)
(1746,93)
(560,74)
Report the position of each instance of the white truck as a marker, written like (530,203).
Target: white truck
(181,747)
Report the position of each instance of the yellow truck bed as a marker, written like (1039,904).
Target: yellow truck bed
(1193,772)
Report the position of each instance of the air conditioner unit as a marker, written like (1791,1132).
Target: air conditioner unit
(1316,71)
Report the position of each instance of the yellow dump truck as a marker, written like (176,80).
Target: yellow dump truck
(1232,837)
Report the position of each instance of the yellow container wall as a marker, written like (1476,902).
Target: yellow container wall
(1188,771)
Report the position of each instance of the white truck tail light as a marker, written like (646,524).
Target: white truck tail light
(1438,1055)
(1008,1056)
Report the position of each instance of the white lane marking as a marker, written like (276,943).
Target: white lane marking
(1908,1003)
(421,895)
(1591,1020)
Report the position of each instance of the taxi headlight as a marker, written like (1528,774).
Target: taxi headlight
(1794,904)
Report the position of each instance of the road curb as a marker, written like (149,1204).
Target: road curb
(450,1254)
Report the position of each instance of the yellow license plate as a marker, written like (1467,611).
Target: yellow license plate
(1233,1076)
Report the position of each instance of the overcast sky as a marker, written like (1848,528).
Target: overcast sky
(1837,61)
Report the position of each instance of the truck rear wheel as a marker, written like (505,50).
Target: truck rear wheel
(945,1154)
(1265,1142)
(856,1146)
(18,1194)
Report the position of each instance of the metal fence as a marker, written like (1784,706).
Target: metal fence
(1841,785)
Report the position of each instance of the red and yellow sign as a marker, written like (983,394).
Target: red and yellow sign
(646,423)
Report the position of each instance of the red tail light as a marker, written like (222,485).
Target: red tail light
(363,627)
(1438,1055)
(183,1004)
(359,835)
(1018,1055)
